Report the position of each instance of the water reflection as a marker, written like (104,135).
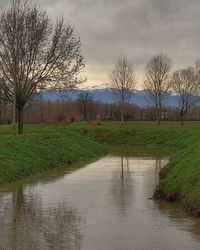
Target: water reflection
(27,224)
(122,185)
(177,216)
(158,165)
(104,205)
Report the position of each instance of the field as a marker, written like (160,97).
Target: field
(141,124)
(46,146)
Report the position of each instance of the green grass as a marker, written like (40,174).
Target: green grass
(141,124)
(180,179)
(46,146)
(141,133)
(42,149)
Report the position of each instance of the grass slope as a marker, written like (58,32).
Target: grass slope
(141,133)
(33,153)
(180,179)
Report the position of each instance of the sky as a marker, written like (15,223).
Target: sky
(137,29)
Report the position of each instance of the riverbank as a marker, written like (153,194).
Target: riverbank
(45,146)
(138,135)
(36,152)
(180,179)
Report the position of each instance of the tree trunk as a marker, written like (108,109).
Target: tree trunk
(158,115)
(122,114)
(14,115)
(1,107)
(182,120)
(158,122)
(20,120)
(84,112)
(122,118)
(126,120)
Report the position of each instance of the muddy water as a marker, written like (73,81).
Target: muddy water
(103,206)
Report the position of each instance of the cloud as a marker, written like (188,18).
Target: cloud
(110,29)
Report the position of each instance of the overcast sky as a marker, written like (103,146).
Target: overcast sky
(137,29)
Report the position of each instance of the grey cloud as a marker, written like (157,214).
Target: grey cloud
(136,28)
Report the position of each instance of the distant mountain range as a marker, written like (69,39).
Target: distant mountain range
(105,95)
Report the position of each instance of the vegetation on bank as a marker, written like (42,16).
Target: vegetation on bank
(180,179)
(46,146)
(145,133)
(35,152)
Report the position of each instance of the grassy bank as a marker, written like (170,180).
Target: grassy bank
(170,134)
(40,149)
(44,146)
(180,179)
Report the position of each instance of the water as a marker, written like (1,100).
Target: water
(105,205)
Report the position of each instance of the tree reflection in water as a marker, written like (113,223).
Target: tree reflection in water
(122,185)
(123,182)
(157,170)
(27,224)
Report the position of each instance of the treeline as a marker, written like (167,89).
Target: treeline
(48,112)
(160,80)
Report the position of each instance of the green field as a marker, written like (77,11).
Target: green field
(46,146)
(141,124)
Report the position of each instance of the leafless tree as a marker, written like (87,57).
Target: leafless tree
(157,81)
(85,98)
(197,70)
(123,82)
(35,54)
(2,106)
(185,83)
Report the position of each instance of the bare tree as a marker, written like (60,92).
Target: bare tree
(85,98)
(35,54)
(123,82)
(197,70)
(185,83)
(157,81)
(2,106)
